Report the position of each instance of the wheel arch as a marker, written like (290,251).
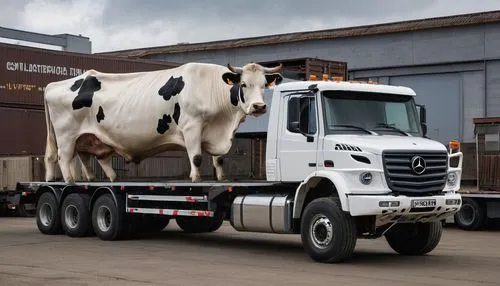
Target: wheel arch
(322,184)
(101,191)
(48,189)
(71,189)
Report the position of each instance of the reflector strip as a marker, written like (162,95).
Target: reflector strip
(191,199)
(171,212)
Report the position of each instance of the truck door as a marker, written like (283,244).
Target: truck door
(298,136)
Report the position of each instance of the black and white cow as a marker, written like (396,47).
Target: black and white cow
(194,107)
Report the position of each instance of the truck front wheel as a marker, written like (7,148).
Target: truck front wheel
(328,233)
(414,238)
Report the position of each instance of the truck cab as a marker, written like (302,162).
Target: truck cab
(363,144)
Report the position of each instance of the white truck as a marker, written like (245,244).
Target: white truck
(344,161)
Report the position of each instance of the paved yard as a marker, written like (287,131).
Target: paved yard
(232,258)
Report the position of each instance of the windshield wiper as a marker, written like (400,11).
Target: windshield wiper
(355,127)
(385,125)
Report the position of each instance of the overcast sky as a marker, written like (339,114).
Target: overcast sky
(124,24)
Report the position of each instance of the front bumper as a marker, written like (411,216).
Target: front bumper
(389,208)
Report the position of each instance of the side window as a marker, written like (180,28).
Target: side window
(302,115)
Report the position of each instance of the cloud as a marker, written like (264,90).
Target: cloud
(123,24)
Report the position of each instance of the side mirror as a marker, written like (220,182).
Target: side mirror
(422,113)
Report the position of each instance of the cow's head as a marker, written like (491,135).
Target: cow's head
(248,84)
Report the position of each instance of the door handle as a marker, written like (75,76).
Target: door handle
(312,164)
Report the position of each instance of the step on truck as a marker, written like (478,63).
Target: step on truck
(344,161)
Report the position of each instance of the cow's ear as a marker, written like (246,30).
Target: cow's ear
(273,79)
(231,78)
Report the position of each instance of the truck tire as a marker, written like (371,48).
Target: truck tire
(414,238)
(75,216)
(108,220)
(48,218)
(328,233)
(471,215)
(200,224)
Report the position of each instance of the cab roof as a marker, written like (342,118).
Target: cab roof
(347,86)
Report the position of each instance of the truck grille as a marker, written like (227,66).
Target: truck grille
(415,172)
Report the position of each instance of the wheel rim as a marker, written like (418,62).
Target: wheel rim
(321,231)
(71,216)
(467,214)
(46,214)
(104,218)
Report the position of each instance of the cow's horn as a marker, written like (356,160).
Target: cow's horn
(234,69)
(275,69)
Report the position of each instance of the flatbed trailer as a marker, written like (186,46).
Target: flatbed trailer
(256,205)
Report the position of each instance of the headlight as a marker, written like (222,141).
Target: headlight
(366,178)
(452,178)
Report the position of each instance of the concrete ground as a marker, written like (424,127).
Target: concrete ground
(232,258)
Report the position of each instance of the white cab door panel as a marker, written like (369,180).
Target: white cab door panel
(298,136)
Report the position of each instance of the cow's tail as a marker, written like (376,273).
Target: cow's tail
(50,157)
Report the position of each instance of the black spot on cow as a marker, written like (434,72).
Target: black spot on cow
(220,161)
(171,88)
(100,115)
(236,92)
(76,85)
(197,160)
(86,93)
(177,113)
(163,124)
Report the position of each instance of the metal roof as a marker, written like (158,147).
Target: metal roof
(366,30)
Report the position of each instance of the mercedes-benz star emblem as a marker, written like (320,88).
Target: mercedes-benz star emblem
(418,165)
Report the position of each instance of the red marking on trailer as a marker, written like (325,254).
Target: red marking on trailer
(175,212)
(191,199)
(161,211)
(130,210)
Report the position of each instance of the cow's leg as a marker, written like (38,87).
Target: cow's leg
(107,167)
(72,168)
(66,154)
(219,170)
(192,140)
(86,160)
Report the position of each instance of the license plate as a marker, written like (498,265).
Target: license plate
(429,203)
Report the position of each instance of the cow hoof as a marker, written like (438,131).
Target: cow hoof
(196,179)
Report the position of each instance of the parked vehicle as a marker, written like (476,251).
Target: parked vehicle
(344,161)
(481,203)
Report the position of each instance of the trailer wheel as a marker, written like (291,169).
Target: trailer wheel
(471,215)
(75,216)
(328,233)
(200,224)
(48,218)
(107,220)
(414,238)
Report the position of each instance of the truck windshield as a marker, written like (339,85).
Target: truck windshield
(353,112)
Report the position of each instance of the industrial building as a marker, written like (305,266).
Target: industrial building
(453,63)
